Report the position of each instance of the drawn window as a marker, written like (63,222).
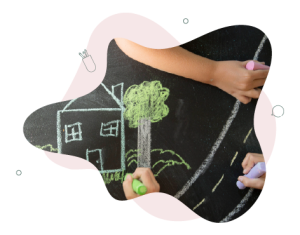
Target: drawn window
(73,132)
(110,128)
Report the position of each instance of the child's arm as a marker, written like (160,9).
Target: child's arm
(230,76)
(175,60)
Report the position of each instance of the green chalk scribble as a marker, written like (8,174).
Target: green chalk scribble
(145,101)
(108,177)
(168,162)
(46,146)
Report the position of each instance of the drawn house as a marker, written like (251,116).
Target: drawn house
(94,133)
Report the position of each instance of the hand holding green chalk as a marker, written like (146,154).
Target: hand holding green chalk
(134,188)
(137,186)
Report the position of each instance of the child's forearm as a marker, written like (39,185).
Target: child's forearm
(174,60)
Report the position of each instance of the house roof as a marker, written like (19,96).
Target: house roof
(101,97)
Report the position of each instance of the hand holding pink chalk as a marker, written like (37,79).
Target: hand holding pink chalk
(252,65)
(233,78)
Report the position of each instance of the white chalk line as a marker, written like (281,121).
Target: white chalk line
(122,108)
(73,134)
(208,160)
(239,206)
(220,179)
(119,102)
(206,163)
(248,195)
(67,106)
(144,143)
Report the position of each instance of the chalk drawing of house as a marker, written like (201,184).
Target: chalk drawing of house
(96,134)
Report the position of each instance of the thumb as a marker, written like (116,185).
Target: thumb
(257,183)
(246,181)
(127,187)
(129,180)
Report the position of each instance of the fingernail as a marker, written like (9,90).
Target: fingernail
(244,172)
(240,179)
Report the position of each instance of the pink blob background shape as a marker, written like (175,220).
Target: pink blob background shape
(149,34)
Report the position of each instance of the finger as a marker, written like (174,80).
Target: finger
(257,183)
(253,159)
(256,82)
(258,74)
(127,187)
(259,82)
(254,93)
(249,164)
(243,99)
(145,174)
(154,186)
(259,157)
(246,159)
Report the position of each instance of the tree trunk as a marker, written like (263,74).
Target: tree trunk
(144,143)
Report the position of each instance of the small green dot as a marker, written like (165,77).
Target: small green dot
(185,20)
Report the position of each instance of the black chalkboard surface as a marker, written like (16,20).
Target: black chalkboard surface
(199,134)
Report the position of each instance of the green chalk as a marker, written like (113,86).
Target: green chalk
(137,186)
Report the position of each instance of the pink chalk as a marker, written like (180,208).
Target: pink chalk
(251,65)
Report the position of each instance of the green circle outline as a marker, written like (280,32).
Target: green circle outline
(17,172)
(273,112)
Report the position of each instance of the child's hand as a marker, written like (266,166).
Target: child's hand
(250,160)
(147,178)
(233,78)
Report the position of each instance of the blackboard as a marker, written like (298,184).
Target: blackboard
(93,127)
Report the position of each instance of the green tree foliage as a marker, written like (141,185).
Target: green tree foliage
(145,101)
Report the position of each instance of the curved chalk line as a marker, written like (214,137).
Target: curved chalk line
(206,163)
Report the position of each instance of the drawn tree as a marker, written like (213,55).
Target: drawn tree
(145,104)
